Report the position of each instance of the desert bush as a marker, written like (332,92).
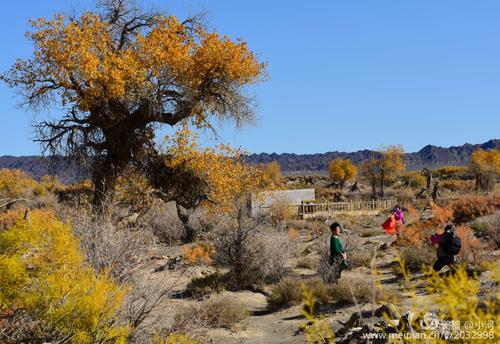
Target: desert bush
(369,232)
(456,185)
(221,312)
(451,172)
(201,286)
(354,289)
(280,211)
(316,328)
(47,291)
(174,338)
(417,258)
(163,222)
(288,292)
(406,195)
(140,308)
(470,252)
(469,208)
(492,233)
(413,179)
(198,254)
(106,247)
(307,262)
(251,256)
(360,257)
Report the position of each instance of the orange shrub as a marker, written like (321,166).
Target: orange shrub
(468,208)
(458,185)
(470,251)
(198,254)
(292,233)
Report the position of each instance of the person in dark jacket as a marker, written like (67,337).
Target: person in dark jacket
(444,256)
(338,256)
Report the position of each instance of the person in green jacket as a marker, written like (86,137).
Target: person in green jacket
(338,257)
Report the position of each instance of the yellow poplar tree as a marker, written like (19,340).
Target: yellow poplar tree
(341,170)
(486,167)
(118,72)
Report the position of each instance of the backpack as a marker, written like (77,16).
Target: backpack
(451,243)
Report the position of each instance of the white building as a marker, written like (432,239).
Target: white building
(260,203)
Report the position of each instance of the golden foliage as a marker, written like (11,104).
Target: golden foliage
(200,253)
(384,168)
(272,171)
(316,329)
(486,167)
(44,274)
(17,183)
(82,59)
(227,176)
(341,171)
(456,299)
(414,179)
(175,338)
(133,188)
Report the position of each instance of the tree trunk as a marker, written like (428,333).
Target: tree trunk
(382,184)
(428,178)
(189,231)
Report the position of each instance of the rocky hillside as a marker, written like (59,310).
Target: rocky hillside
(429,156)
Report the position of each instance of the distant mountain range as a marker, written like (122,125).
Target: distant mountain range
(429,156)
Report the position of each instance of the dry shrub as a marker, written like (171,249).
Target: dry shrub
(416,258)
(458,185)
(360,257)
(470,251)
(307,262)
(252,254)
(292,233)
(106,247)
(200,287)
(469,208)
(280,211)
(221,312)
(406,195)
(163,221)
(369,232)
(492,231)
(355,289)
(452,172)
(289,292)
(199,253)
(141,308)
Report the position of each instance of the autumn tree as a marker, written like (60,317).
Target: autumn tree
(118,73)
(272,170)
(219,173)
(485,165)
(383,168)
(340,171)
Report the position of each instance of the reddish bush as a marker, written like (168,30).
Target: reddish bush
(469,208)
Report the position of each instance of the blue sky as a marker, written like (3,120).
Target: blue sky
(345,75)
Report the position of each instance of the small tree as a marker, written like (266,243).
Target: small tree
(383,167)
(485,165)
(273,172)
(220,174)
(341,171)
(390,166)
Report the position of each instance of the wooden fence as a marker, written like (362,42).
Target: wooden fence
(310,209)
